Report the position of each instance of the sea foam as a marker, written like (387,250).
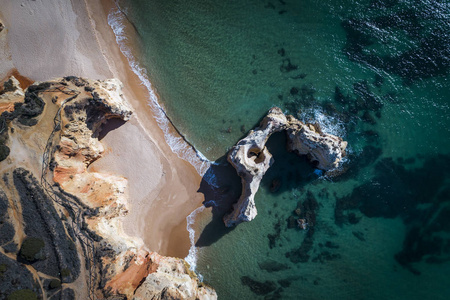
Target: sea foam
(192,257)
(177,143)
(327,123)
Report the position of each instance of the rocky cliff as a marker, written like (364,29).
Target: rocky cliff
(251,159)
(61,235)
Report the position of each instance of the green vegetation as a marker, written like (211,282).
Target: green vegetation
(3,268)
(4,152)
(65,272)
(25,294)
(54,284)
(30,248)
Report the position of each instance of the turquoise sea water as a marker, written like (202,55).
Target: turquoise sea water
(375,72)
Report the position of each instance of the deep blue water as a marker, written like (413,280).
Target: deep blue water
(375,72)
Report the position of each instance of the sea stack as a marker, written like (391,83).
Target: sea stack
(251,159)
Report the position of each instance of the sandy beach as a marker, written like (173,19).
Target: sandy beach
(50,39)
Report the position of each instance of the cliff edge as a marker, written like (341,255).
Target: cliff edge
(61,224)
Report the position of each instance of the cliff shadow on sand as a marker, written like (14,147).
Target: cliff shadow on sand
(221,187)
(287,172)
(110,125)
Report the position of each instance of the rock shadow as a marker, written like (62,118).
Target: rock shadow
(111,124)
(289,169)
(221,187)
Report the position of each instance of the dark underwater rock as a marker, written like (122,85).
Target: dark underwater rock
(294,91)
(429,53)
(378,81)
(301,254)
(272,266)
(395,191)
(359,235)
(366,117)
(300,76)
(292,222)
(273,238)
(331,245)
(258,287)
(285,283)
(325,256)
(287,66)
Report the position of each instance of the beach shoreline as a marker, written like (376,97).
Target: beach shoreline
(176,188)
(162,187)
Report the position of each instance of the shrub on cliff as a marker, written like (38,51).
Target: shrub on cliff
(24,294)
(4,152)
(31,250)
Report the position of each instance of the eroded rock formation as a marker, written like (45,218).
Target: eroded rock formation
(251,159)
(68,225)
(10,93)
(131,270)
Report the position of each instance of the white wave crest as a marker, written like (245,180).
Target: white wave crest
(192,257)
(177,143)
(328,124)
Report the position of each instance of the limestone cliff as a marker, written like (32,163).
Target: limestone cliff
(10,93)
(67,226)
(251,159)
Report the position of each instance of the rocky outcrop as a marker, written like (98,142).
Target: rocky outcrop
(251,159)
(128,269)
(68,226)
(152,276)
(324,150)
(15,104)
(85,106)
(10,93)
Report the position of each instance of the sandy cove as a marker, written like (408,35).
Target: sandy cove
(49,39)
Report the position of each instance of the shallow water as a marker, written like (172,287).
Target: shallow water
(374,72)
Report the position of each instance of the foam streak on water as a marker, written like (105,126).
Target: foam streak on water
(327,123)
(178,144)
(192,257)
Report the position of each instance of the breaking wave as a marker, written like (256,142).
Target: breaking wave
(328,124)
(192,257)
(177,143)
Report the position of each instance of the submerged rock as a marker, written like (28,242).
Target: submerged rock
(251,159)
(272,266)
(258,287)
